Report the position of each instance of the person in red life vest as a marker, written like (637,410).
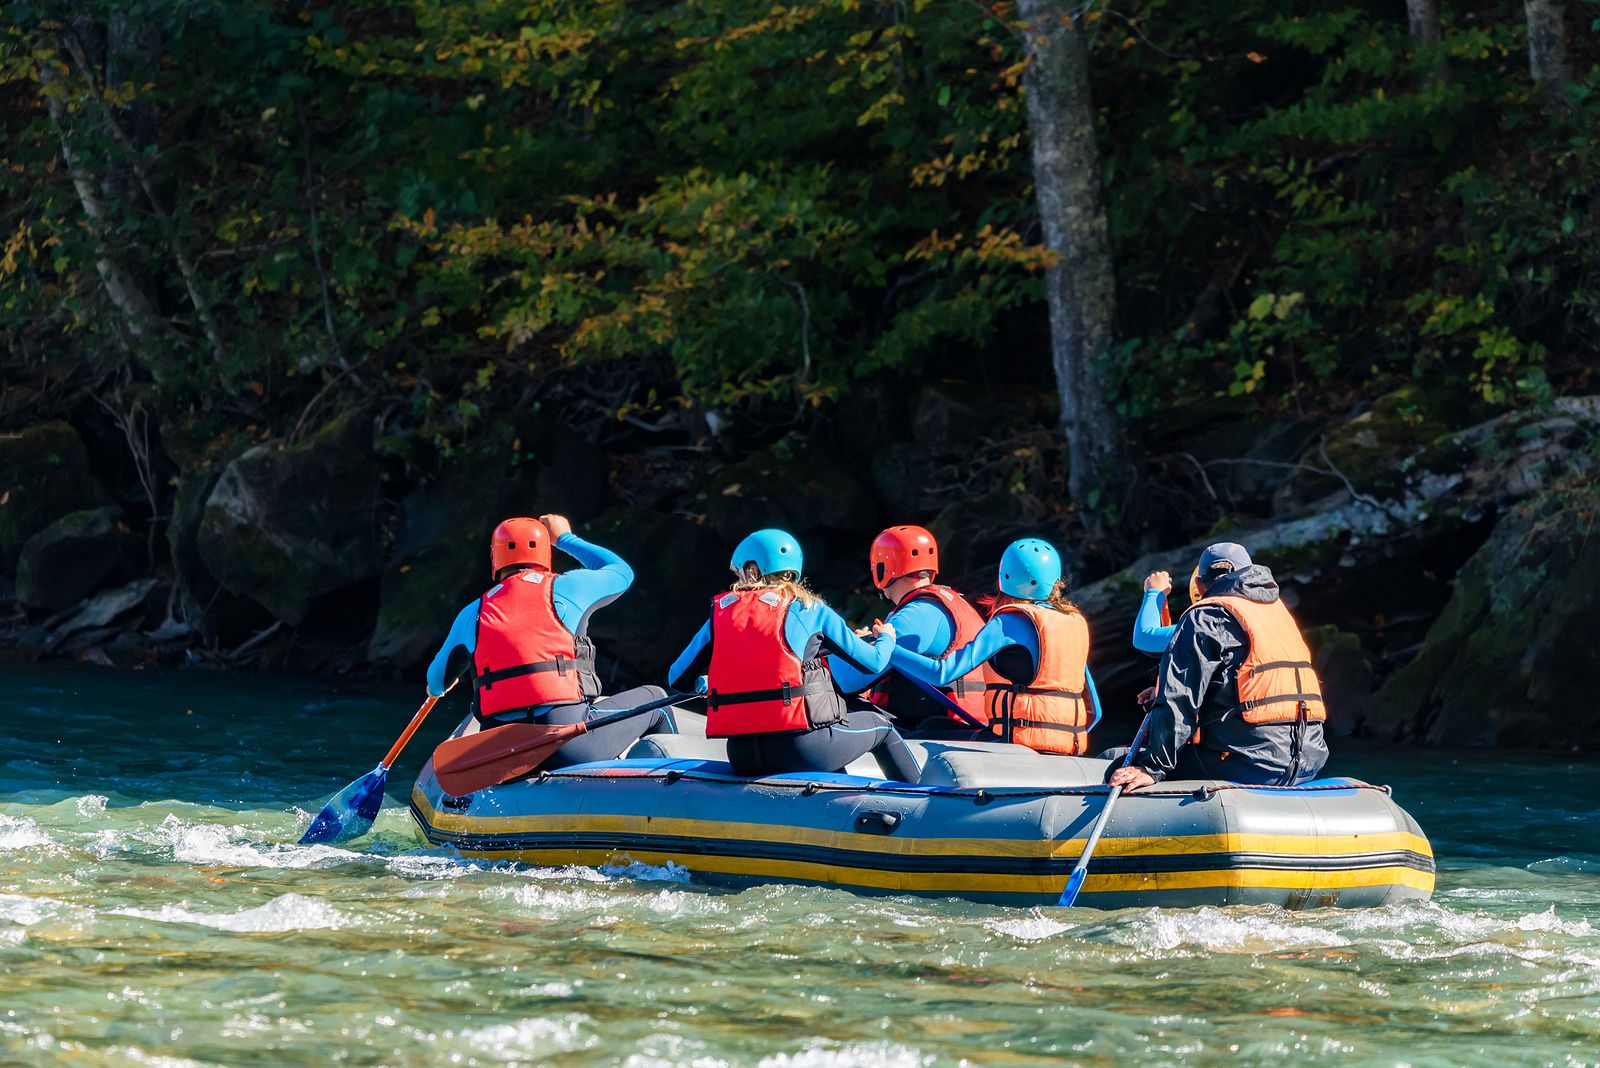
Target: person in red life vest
(769,690)
(527,642)
(1236,695)
(929,619)
(1034,653)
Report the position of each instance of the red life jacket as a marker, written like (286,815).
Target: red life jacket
(525,656)
(967,691)
(757,684)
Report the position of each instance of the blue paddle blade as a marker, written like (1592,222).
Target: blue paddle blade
(1069,893)
(351,811)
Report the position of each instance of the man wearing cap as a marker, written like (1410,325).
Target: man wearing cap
(1236,695)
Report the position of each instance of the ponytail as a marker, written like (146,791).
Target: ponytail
(786,583)
(1058,599)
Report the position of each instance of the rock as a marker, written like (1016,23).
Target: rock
(440,559)
(1347,676)
(679,565)
(103,608)
(284,526)
(1512,660)
(44,475)
(70,558)
(223,616)
(1372,449)
(1340,549)
(573,476)
(794,485)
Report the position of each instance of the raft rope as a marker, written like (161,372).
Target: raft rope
(980,795)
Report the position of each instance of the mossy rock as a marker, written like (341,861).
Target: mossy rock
(44,475)
(1511,660)
(1374,449)
(223,616)
(285,525)
(70,559)
(1347,676)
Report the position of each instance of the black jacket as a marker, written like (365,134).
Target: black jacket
(1198,687)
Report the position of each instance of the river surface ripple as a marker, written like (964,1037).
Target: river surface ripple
(154,910)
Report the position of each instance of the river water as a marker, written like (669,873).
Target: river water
(154,909)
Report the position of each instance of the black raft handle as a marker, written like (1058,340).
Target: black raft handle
(877,822)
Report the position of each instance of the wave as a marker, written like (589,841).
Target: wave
(290,912)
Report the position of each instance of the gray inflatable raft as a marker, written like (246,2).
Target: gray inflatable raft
(990,822)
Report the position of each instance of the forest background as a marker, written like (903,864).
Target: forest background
(297,299)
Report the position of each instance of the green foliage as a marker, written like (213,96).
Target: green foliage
(442,204)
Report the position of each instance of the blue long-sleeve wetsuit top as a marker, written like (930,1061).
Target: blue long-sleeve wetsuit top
(809,631)
(605,576)
(1149,635)
(919,625)
(1006,631)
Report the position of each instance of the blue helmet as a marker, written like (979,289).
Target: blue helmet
(771,550)
(1029,569)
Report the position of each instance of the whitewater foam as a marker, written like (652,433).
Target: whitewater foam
(290,912)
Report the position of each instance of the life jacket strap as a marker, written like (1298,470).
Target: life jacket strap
(1046,725)
(561,665)
(1076,695)
(788,693)
(961,687)
(1300,698)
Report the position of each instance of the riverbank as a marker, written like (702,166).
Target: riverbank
(154,906)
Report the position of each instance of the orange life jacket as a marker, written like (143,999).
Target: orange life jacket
(525,656)
(757,684)
(1277,683)
(967,691)
(1049,712)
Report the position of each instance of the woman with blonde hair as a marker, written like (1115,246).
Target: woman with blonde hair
(769,690)
(1034,652)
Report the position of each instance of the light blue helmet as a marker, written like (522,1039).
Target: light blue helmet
(771,550)
(1029,569)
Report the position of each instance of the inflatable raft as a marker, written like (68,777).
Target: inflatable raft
(990,822)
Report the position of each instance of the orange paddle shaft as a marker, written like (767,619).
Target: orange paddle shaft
(411,728)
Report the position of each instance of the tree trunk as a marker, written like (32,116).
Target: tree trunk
(138,317)
(1423,18)
(1423,15)
(1080,285)
(1547,52)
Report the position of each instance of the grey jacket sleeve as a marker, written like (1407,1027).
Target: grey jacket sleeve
(1202,646)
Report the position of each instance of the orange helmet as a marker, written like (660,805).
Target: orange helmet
(900,551)
(519,541)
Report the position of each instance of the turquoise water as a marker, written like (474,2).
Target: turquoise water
(154,909)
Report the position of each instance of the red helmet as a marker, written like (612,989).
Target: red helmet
(519,541)
(900,551)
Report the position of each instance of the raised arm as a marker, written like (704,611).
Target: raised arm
(1187,673)
(1150,633)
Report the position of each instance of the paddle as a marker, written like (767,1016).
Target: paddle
(499,754)
(941,697)
(352,810)
(1069,893)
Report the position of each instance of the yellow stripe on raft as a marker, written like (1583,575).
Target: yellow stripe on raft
(1068,848)
(958,882)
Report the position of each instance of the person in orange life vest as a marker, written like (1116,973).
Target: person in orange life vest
(928,619)
(527,641)
(1236,695)
(769,692)
(1034,651)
